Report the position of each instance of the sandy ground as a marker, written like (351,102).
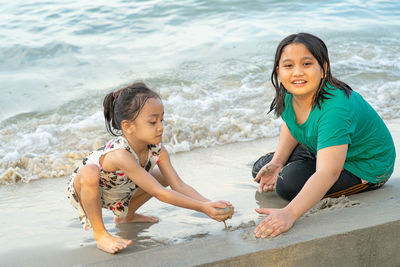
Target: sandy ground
(40,228)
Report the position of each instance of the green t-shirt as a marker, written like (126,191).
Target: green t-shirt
(342,120)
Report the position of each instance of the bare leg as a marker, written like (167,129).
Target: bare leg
(138,199)
(86,185)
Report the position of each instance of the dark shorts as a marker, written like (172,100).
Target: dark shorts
(299,168)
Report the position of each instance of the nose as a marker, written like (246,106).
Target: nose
(160,127)
(298,70)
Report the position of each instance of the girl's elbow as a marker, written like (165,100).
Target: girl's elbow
(334,176)
(179,187)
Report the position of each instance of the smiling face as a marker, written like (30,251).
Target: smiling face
(299,71)
(148,127)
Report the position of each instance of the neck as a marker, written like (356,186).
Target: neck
(138,146)
(302,107)
(304,102)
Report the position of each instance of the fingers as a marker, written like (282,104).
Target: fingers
(221,218)
(267,177)
(225,202)
(266,228)
(277,231)
(260,173)
(220,210)
(275,224)
(268,188)
(272,230)
(262,211)
(264,187)
(261,186)
(227,211)
(217,204)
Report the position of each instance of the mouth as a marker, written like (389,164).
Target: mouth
(299,82)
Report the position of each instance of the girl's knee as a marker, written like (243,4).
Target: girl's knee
(260,163)
(293,177)
(89,174)
(285,190)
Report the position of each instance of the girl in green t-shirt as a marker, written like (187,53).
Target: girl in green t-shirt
(331,143)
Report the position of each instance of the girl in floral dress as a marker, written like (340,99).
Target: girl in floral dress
(122,175)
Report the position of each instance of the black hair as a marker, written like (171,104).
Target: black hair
(125,104)
(319,50)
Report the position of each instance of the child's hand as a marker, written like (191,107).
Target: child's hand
(278,221)
(218,210)
(267,177)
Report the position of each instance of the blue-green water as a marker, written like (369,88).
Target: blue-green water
(210,61)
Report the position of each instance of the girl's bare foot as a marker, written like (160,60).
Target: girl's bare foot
(136,217)
(112,244)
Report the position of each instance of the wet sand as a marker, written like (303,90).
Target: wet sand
(40,228)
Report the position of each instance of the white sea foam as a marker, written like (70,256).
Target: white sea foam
(210,62)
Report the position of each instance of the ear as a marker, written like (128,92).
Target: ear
(127,126)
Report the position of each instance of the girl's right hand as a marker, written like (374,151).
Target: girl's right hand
(214,210)
(268,176)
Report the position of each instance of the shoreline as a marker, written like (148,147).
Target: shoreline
(48,232)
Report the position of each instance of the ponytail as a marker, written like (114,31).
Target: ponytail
(108,105)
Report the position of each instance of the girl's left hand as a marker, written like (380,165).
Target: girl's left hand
(267,177)
(215,210)
(278,221)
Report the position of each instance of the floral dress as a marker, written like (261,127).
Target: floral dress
(116,189)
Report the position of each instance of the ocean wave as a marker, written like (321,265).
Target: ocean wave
(211,63)
(50,145)
(17,56)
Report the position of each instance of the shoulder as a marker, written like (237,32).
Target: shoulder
(336,102)
(118,142)
(335,95)
(163,155)
(120,156)
(163,151)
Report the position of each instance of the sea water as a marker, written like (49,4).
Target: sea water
(209,60)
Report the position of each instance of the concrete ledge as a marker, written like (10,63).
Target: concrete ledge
(367,234)
(371,246)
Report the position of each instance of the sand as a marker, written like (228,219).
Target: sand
(40,228)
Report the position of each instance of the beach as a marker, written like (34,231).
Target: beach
(210,62)
(45,230)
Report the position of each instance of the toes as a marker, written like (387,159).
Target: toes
(126,242)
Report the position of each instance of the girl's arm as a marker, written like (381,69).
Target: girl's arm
(330,163)
(269,173)
(286,145)
(173,178)
(121,159)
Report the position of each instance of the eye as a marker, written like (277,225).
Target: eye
(308,63)
(153,122)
